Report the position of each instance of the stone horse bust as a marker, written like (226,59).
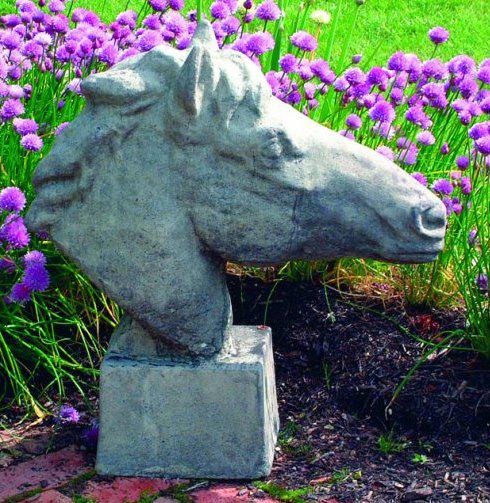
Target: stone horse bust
(183,160)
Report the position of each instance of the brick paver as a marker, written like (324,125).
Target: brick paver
(226,494)
(51,496)
(47,471)
(51,472)
(127,489)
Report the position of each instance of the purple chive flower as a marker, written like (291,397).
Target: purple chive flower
(465,185)
(294,97)
(434,68)
(305,71)
(384,129)
(376,76)
(7,265)
(153,22)
(435,93)
(176,4)
(176,23)
(462,65)
(479,130)
(25,126)
(230,25)
(438,35)
(396,95)
(32,142)
(356,59)
(36,277)
(10,40)
(127,18)
(426,138)
(304,41)
(12,199)
(462,162)
(472,237)
(483,74)
(408,156)
(404,142)
(249,17)
(443,186)
(420,177)
(56,6)
(340,85)
(11,108)
(61,127)
(448,204)
(481,282)
(68,414)
(309,90)
(268,11)
(149,40)
(348,134)
(414,67)
(386,152)
(260,42)
(456,205)
(219,10)
(382,111)
(353,121)
(20,293)
(32,49)
(397,62)
(288,63)
(14,231)
(11,20)
(16,92)
(445,149)
(158,5)
(483,145)
(354,76)
(90,436)
(34,257)
(232,4)
(321,69)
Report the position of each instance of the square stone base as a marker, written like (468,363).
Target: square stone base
(213,418)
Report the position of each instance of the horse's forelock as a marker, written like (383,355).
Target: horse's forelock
(137,79)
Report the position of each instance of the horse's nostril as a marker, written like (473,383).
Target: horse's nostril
(434,218)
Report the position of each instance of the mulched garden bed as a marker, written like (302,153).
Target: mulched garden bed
(337,367)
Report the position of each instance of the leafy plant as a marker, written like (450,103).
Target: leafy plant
(420,459)
(281,494)
(388,445)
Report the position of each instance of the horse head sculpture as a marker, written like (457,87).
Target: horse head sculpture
(183,160)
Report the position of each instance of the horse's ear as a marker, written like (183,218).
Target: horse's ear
(204,36)
(198,77)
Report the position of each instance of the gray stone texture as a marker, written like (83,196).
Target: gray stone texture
(183,160)
(205,418)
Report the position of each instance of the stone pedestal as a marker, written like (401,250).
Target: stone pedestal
(170,417)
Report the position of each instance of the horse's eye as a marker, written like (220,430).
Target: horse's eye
(273,149)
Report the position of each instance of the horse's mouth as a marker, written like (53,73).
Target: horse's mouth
(418,257)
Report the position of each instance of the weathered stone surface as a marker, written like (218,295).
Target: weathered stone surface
(183,160)
(205,418)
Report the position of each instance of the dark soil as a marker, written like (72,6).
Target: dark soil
(337,370)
